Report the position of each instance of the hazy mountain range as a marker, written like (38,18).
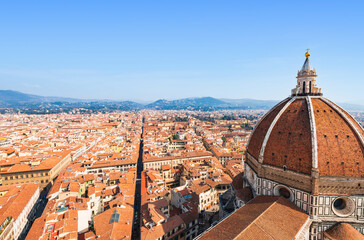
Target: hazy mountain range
(17,100)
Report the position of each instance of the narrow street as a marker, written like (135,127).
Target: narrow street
(36,212)
(137,200)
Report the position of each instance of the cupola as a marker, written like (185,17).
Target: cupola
(306,80)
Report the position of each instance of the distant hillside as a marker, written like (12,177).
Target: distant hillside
(9,98)
(14,99)
(247,103)
(189,103)
(209,103)
(17,100)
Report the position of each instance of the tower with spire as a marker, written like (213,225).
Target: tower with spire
(306,80)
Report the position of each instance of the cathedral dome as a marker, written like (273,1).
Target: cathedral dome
(307,134)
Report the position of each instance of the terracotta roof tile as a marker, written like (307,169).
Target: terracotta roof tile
(265,217)
(343,231)
(261,129)
(290,141)
(340,152)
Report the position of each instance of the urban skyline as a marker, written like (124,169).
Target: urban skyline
(193,120)
(293,172)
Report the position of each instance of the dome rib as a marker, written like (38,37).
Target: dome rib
(311,116)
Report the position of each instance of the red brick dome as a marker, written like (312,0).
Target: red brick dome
(309,133)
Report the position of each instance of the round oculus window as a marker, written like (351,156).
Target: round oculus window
(343,206)
(283,191)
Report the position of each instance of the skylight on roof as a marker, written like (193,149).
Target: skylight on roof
(188,196)
(114,217)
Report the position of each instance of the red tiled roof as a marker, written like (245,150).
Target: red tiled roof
(343,231)
(265,217)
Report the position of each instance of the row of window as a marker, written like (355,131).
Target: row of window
(148,165)
(26,176)
(174,231)
(42,181)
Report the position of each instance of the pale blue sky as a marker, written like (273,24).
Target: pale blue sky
(147,50)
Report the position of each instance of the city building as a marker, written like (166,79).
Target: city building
(17,206)
(42,169)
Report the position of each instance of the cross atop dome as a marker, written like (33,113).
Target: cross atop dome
(306,80)
(307,66)
(307,54)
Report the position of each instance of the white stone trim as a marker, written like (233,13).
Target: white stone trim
(272,126)
(311,116)
(304,232)
(343,115)
(265,115)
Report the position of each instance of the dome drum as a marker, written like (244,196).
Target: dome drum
(279,175)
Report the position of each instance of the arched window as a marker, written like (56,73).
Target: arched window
(310,87)
(304,88)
